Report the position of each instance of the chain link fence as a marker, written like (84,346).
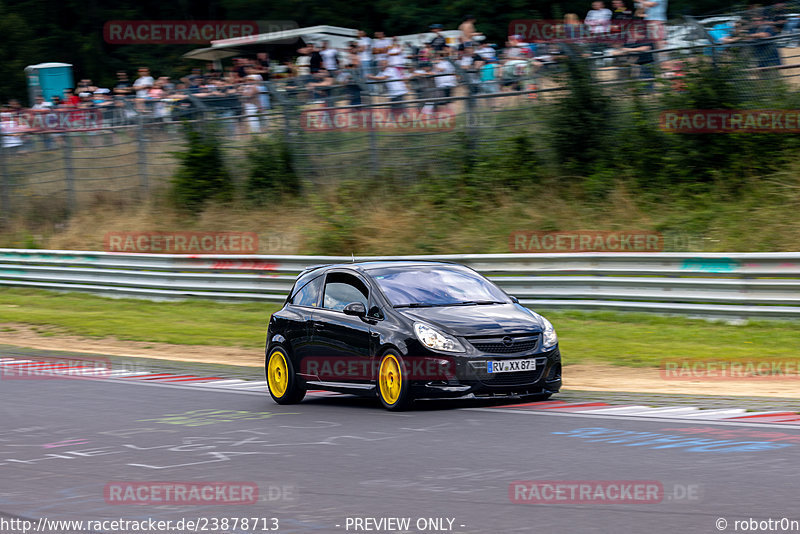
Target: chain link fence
(351,128)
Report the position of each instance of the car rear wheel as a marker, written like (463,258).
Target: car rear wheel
(281,379)
(393,386)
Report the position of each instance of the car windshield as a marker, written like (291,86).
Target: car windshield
(420,286)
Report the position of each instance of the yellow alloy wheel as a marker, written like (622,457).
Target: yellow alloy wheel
(277,374)
(390,379)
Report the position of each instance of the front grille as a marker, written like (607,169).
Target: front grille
(500,345)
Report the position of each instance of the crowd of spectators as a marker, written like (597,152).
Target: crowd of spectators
(384,68)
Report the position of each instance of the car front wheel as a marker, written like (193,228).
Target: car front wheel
(281,379)
(393,386)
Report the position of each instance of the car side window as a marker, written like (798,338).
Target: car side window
(308,295)
(341,289)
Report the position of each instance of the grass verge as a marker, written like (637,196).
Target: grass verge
(636,340)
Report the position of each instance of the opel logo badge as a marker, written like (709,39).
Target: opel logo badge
(507,341)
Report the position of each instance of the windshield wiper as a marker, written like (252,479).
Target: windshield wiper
(416,305)
(476,302)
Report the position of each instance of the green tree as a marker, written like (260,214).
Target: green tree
(201,175)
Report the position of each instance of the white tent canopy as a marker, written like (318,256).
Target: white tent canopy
(338,37)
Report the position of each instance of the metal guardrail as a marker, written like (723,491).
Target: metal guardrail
(703,284)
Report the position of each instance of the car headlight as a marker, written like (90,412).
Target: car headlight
(435,340)
(549,337)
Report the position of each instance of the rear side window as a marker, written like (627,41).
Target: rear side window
(308,295)
(341,289)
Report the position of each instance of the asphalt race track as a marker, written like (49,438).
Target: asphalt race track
(331,462)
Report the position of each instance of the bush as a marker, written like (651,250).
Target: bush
(726,159)
(201,175)
(579,121)
(271,173)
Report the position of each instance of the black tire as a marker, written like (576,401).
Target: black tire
(283,378)
(392,385)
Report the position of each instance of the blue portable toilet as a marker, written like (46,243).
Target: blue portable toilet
(48,80)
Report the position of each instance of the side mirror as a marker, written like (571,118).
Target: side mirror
(355,308)
(514,299)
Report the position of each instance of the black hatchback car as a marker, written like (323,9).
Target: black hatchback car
(405,330)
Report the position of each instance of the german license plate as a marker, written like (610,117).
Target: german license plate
(510,366)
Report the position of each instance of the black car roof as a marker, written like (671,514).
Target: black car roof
(377,264)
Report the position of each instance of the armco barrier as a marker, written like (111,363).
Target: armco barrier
(708,284)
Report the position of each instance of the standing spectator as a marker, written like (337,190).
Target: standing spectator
(315,61)
(446,77)
(240,65)
(766,52)
(468,63)
(395,85)
(194,80)
(143,83)
(348,78)
(488,76)
(640,48)
(487,52)
(468,33)
(620,11)
(598,19)
(425,54)
(212,72)
(321,88)
(421,81)
(41,104)
(438,43)
(515,48)
(303,61)
(330,58)
(43,107)
(395,55)
(353,55)
(621,17)
(364,53)
(380,47)
(262,65)
(655,14)
(249,92)
(123,86)
(71,99)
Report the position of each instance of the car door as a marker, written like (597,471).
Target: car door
(341,343)
(297,327)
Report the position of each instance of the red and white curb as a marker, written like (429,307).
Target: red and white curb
(31,369)
(17,369)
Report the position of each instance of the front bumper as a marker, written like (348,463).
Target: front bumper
(472,378)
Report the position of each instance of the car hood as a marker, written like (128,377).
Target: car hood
(478,320)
